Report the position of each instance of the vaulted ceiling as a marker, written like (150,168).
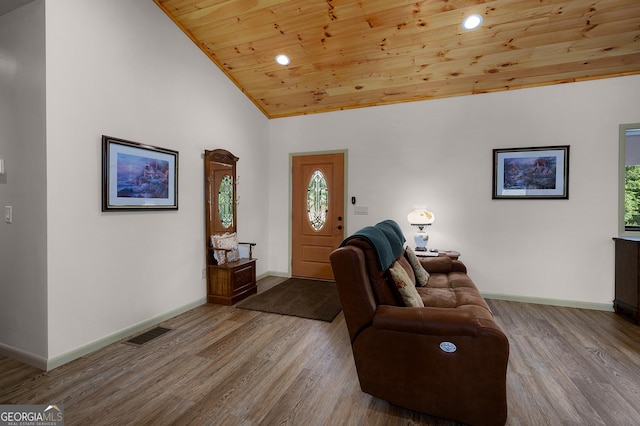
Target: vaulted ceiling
(357,53)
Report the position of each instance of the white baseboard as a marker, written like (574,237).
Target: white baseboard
(33,360)
(117,336)
(273,274)
(553,302)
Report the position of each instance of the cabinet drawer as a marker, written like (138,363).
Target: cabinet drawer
(243,276)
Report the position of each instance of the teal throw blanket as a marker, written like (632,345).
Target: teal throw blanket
(385,237)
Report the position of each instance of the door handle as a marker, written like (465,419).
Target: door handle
(339,227)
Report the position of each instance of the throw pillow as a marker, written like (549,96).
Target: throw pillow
(225,241)
(422,276)
(405,286)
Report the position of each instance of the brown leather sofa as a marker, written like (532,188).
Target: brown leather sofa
(447,359)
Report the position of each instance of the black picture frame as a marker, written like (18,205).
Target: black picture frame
(137,176)
(531,173)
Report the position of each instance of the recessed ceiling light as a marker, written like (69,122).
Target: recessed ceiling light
(283,59)
(471,22)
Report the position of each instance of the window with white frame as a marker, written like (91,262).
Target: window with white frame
(629,207)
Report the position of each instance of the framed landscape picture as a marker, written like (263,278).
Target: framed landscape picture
(137,176)
(531,173)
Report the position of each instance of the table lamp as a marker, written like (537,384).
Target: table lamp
(421,217)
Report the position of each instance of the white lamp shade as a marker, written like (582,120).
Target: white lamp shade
(420,217)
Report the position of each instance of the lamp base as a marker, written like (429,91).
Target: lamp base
(421,239)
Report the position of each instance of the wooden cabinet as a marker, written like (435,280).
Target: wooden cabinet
(627,278)
(231,282)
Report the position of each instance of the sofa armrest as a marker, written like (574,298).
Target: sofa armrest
(427,320)
(458,266)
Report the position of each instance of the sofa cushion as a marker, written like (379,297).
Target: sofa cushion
(452,290)
(422,276)
(405,285)
(442,264)
(384,293)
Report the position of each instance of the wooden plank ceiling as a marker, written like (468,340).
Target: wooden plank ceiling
(357,53)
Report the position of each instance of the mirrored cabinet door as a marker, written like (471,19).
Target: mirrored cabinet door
(220,208)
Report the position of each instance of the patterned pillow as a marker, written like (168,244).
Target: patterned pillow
(225,241)
(422,276)
(405,286)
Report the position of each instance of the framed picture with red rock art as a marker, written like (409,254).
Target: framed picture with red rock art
(531,173)
(137,176)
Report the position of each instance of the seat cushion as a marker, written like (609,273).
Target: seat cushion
(452,290)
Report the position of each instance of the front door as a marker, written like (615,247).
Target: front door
(317,210)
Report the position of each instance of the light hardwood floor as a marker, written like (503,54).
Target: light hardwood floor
(226,366)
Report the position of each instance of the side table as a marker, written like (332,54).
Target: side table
(450,253)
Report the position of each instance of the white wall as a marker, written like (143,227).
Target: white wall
(438,153)
(123,69)
(23,266)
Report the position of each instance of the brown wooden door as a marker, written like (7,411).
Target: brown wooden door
(314,236)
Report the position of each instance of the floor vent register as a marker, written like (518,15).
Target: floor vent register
(148,336)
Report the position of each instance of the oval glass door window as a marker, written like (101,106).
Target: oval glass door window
(317,200)
(225,201)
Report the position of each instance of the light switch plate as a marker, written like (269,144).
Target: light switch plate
(1,166)
(361,210)
(8,214)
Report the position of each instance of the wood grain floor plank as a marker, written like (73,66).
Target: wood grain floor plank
(607,402)
(287,363)
(226,366)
